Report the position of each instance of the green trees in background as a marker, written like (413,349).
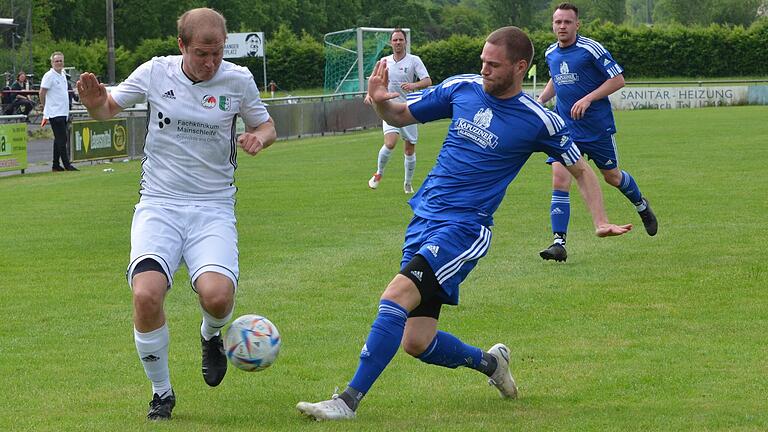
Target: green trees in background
(447,32)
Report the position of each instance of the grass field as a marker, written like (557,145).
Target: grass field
(633,333)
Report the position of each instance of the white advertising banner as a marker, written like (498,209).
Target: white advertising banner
(631,98)
(244,45)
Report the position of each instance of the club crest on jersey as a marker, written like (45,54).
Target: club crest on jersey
(208,101)
(225,103)
(565,76)
(477,129)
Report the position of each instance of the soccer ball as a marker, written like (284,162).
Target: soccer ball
(252,343)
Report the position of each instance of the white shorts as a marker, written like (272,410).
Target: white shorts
(408,133)
(204,237)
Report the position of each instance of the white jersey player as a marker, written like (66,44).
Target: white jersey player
(407,73)
(186,210)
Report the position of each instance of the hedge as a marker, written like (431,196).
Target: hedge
(644,52)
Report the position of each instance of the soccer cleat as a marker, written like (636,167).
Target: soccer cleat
(407,188)
(333,409)
(57,168)
(71,168)
(502,378)
(214,360)
(160,409)
(373,183)
(649,219)
(555,252)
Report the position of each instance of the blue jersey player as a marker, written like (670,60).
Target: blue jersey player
(583,76)
(495,128)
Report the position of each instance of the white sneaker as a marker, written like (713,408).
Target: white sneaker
(407,188)
(333,409)
(373,183)
(502,378)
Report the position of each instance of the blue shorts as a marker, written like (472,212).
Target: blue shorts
(451,248)
(603,152)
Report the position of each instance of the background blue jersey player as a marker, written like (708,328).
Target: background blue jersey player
(583,76)
(495,128)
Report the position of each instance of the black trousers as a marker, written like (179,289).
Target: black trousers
(60,138)
(22,106)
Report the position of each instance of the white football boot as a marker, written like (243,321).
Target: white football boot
(373,183)
(502,378)
(332,409)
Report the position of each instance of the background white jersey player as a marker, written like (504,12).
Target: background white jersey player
(407,73)
(186,211)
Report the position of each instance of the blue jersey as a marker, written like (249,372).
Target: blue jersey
(488,141)
(577,70)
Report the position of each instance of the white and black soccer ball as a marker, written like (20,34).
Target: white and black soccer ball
(252,343)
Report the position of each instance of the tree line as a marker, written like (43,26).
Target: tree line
(144,28)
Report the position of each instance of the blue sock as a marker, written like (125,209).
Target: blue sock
(629,188)
(448,351)
(381,345)
(560,211)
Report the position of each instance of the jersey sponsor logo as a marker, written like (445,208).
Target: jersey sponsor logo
(477,129)
(417,274)
(208,101)
(164,121)
(565,76)
(434,249)
(169,95)
(225,103)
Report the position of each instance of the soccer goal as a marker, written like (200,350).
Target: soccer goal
(351,54)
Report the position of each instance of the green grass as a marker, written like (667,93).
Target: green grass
(633,333)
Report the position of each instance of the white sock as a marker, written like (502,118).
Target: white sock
(384,155)
(211,325)
(153,353)
(410,166)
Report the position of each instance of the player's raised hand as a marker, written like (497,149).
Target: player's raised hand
(378,83)
(250,142)
(610,230)
(92,93)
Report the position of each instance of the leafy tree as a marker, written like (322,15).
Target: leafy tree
(463,20)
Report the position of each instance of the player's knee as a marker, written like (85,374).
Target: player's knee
(561,181)
(415,345)
(216,293)
(612,177)
(147,298)
(217,303)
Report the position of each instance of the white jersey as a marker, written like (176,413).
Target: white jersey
(57,95)
(408,70)
(190,148)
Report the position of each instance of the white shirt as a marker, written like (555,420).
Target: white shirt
(190,148)
(408,70)
(57,95)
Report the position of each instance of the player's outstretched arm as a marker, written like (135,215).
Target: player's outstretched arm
(394,113)
(95,97)
(593,196)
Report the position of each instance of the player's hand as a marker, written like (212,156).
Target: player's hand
(378,83)
(610,230)
(92,93)
(367,100)
(409,87)
(580,108)
(250,142)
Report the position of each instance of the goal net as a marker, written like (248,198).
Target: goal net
(350,56)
